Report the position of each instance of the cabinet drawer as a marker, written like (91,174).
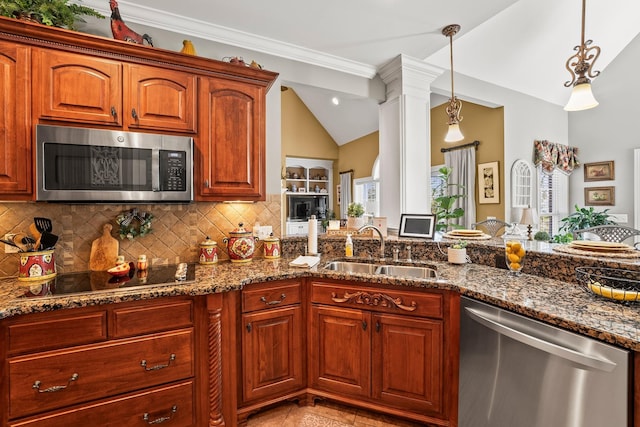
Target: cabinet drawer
(171,404)
(155,317)
(270,295)
(56,331)
(427,304)
(55,379)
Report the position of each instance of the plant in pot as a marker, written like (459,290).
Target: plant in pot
(56,13)
(580,219)
(457,253)
(354,215)
(444,197)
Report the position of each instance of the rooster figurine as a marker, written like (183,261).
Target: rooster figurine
(121,31)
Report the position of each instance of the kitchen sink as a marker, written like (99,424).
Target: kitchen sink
(351,267)
(407,271)
(416,272)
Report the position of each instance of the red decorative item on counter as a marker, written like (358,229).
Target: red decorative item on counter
(240,244)
(37,265)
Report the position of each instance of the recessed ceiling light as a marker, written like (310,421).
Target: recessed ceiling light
(335,100)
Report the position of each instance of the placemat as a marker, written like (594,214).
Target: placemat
(569,250)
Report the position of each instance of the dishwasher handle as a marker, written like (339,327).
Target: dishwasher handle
(486,320)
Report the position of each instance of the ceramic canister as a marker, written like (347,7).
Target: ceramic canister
(37,265)
(240,244)
(208,251)
(271,247)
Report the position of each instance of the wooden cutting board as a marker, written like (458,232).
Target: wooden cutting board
(104,251)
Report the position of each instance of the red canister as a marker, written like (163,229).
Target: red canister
(37,265)
(208,251)
(240,244)
(271,247)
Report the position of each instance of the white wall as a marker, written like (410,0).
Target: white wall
(608,132)
(525,119)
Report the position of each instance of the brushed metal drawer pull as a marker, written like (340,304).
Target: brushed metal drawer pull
(158,367)
(160,420)
(282,297)
(52,389)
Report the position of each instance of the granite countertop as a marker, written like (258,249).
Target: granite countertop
(560,303)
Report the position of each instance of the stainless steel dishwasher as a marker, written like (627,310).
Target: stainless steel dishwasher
(519,372)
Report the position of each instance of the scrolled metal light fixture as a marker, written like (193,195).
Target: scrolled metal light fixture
(580,66)
(455,105)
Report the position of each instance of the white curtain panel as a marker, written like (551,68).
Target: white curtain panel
(345,193)
(463,164)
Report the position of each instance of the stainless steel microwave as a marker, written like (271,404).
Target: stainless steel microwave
(94,165)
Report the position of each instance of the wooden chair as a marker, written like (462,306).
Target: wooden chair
(609,233)
(492,225)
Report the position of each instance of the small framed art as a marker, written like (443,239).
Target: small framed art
(489,183)
(417,225)
(600,171)
(599,196)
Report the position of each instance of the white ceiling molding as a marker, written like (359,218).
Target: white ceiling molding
(192,27)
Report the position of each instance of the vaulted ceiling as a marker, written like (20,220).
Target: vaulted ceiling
(518,44)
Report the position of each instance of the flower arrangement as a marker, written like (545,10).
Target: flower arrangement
(355,210)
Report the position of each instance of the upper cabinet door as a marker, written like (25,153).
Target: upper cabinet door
(231,141)
(78,88)
(160,99)
(15,119)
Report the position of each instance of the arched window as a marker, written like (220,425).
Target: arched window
(521,184)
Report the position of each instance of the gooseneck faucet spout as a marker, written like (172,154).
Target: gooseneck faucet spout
(377,230)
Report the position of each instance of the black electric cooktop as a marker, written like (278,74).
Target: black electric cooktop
(95,281)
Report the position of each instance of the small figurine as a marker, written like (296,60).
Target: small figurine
(121,31)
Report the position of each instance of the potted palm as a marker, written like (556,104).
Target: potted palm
(56,13)
(354,215)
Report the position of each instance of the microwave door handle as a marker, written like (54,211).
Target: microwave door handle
(155,169)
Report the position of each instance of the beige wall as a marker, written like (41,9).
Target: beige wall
(358,155)
(479,123)
(302,134)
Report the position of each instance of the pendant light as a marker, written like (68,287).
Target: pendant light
(580,66)
(455,105)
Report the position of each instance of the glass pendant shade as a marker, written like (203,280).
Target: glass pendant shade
(581,98)
(454,134)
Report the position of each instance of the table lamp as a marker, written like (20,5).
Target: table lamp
(529,218)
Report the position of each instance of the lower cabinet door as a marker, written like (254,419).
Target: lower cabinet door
(340,350)
(272,352)
(171,405)
(408,362)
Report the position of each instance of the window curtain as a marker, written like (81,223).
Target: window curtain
(550,156)
(463,172)
(345,193)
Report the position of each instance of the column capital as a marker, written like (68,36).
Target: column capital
(405,75)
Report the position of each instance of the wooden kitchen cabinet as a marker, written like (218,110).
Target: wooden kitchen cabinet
(15,120)
(272,340)
(85,89)
(393,350)
(130,361)
(231,141)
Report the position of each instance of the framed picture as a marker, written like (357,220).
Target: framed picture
(601,171)
(417,225)
(489,183)
(600,196)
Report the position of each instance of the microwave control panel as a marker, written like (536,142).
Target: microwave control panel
(173,170)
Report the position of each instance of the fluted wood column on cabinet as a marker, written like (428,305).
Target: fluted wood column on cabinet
(214,310)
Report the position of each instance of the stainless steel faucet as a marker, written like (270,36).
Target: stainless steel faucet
(377,230)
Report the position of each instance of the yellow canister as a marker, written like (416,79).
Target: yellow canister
(208,251)
(271,247)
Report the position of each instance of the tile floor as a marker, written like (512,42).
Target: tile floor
(323,414)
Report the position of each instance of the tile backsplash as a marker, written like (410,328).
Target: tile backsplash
(177,232)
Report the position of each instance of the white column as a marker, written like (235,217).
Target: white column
(405,142)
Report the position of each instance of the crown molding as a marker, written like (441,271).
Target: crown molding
(196,28)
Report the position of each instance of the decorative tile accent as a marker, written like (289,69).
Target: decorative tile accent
(178,229)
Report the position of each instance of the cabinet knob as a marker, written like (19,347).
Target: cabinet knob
(114,113)
(364,325)
(249,327)
(206,183)
(134,114)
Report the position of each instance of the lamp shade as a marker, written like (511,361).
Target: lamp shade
(581,98)
(529,216)
(454,134)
